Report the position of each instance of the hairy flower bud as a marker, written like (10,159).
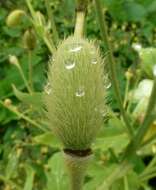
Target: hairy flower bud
(76,102)
(14,18)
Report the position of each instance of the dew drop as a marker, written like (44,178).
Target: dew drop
(47,88)
(94,61)
(80,92)
(69,64)
(75,49)
(108,85)
(103,113)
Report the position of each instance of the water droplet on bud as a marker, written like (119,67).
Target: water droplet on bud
(75,48)
(80,92)
(47,88)
(94,61)
(108,85)
(69,64)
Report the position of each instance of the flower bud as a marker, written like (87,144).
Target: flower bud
(13,60)
(29,39)
(7,102)
(14,18)
(76,101)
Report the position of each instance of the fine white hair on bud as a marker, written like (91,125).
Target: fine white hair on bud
(76,102)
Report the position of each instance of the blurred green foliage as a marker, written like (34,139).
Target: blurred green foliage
(29,158)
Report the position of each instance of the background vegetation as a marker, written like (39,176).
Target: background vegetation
(29,154)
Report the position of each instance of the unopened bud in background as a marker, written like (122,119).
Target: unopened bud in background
(29,39)
(14,18)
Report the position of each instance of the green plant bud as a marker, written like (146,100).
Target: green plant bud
(13,60)
(76,93)
(14,18)
(29,39)
(7,102)
(40,23)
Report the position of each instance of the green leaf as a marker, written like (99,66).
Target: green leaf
(56,178)
(29,179)
(148,59)
(47,139)
(34,99)
(116,142)
(97,174)
(11,165)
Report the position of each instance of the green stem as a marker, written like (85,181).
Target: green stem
(46,38)
(126,183)
(30,70)
(51,18)
(81,6)
(149,168)
(30,8)
(20,115)
(79,26)
(49,44)
(76,168)
(24,78)
(126,92)
(146,178)
(113,155)
(103,28)
(118,173)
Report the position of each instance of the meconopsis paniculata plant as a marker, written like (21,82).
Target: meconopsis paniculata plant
(75,102)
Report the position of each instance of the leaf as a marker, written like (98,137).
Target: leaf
(97,174)
(11,165)
(116,142)
(47,139)
(56,178)
(34,99)
(148,59)
(29,179)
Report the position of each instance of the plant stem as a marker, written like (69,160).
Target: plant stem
(49,44)
(149,168)
(126,92)
(13,110)
(51,18)
(30,8)
(80,17)
(24,78)
(79,26)
(119,172)
(126,183)
(30,70)
(146,178)
(76,168)
(47,40)
(103,28)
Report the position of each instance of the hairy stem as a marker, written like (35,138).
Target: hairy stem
(76,168)
(103,28)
